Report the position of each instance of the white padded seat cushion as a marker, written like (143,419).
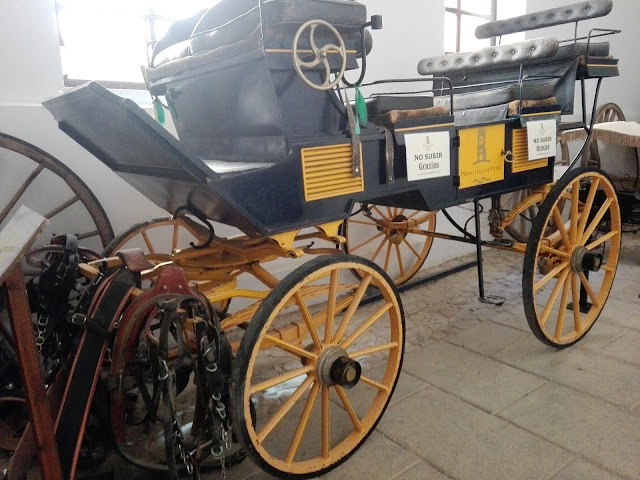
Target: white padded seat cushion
(546,18)
(511,54)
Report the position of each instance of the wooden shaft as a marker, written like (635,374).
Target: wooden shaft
(35,393)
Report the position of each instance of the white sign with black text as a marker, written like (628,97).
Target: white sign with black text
(428,155)
(542,139)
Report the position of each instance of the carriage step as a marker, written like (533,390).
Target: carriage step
(492,300)
(500,242)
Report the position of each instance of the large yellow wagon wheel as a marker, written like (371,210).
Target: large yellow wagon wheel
(318,398)
(384,236)
(571,257)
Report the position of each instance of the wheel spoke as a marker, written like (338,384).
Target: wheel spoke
(302,423)
(589,290)
(283,410)
(326,423)
(287,347)
(399,255)
(575,298)
(387,257)
(331,306)
(362,222)
(373,383)
(379,212)
(378,250)
(415,252)
(596,221)
(280,379)
(371,350)
(563,307)
(174,239)
(416,212)
(555,252)
(552,299)
(360,245)
(308,320)
(84,236)
(353,306)
(588,205)
(549,276)
(147,242)
(61,207)
(575,217)
(425,218)
(349,409)
(602,239)
(557,218)
(366,325)
(389,213)
(23,188)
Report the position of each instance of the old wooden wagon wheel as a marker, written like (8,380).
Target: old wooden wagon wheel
(384,236)
(319,396)
(571,257)
(47,186)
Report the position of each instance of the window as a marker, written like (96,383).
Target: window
(107,40)
(463,16)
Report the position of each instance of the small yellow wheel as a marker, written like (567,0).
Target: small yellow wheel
(159,238)
(384,236)
(318,397)
(571,257)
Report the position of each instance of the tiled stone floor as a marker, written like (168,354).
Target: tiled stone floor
(481,398)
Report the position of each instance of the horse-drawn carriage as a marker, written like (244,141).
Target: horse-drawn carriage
(299,370)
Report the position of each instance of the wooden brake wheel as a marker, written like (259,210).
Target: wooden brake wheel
(571,257)
(318,396)
(46,185)
(384,236)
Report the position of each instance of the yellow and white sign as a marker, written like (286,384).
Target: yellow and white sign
(541,137)
(480,158)
(428,155)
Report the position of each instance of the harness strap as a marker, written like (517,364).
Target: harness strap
(85,371)
(354,128)
(389,155)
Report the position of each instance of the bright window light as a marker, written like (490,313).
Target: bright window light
(106,41)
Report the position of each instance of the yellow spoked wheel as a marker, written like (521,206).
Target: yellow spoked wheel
(520,228)
(571,257)
(159,238)
(317,399)
(384,236)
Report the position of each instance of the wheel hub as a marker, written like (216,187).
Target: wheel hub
(334,367)
(584,261)
(395,235)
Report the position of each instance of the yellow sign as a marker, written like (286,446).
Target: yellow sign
(480,157)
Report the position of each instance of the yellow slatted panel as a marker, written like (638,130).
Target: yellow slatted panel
(327,172)
(520,149)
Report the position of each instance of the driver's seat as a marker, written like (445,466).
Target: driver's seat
(228,77)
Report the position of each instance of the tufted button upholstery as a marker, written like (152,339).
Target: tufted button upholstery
(546,18)
(490,56)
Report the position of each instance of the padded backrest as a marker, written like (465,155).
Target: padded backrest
(546,18)
(490,56)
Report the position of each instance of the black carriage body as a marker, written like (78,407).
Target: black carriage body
(270,198)
(259,149)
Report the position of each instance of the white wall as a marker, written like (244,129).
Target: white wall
(622,90)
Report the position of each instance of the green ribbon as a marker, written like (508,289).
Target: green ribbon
(159,111)
(361,108)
